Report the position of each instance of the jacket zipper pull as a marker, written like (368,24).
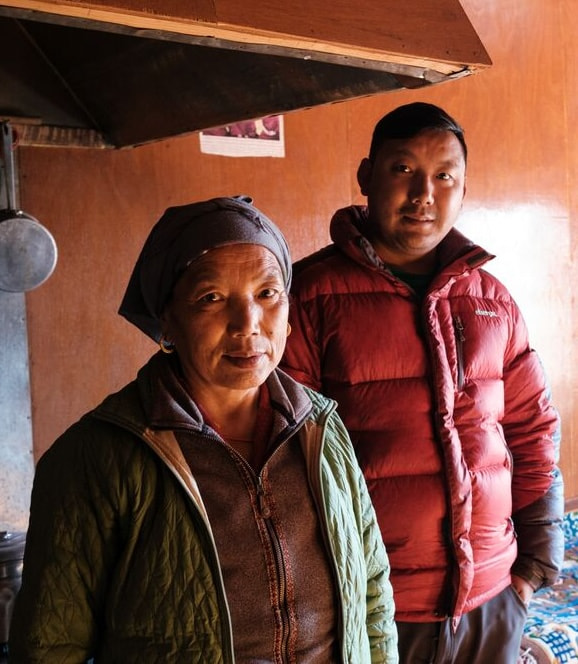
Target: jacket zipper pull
(460,338)
(264,509)
(459,328)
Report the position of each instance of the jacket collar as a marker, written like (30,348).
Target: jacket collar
(457,254)
(163,402)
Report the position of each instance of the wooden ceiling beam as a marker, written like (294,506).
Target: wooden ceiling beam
(389,35)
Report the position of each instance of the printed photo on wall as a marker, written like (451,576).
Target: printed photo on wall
(249,138)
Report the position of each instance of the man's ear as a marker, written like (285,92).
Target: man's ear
(364,175)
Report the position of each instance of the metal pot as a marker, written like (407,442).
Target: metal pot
(11,561)
(27,249)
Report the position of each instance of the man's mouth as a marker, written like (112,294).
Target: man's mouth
(418,217)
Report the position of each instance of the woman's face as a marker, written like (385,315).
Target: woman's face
(227,318)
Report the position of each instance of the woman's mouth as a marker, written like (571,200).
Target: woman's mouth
(244,361)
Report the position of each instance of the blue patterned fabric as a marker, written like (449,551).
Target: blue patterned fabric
(551,631)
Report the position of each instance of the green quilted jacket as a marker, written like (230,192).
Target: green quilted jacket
(120,562)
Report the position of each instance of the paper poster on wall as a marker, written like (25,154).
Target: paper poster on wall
(250,138)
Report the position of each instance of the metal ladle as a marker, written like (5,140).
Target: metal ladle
(28,251)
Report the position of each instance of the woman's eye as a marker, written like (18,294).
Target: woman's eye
(268,292)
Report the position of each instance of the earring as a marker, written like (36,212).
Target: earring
(166,346)
(288,329)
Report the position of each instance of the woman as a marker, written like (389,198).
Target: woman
(212,510)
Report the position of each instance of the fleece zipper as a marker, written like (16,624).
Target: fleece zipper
(280,571)
(265,512)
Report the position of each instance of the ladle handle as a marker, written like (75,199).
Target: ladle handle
(8,164)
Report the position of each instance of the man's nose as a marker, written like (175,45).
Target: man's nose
(422,190)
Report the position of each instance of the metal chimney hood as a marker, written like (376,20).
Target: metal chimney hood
(90,74)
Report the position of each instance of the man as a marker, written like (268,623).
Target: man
(428,358)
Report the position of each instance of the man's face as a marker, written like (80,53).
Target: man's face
(414,188)
(227,318)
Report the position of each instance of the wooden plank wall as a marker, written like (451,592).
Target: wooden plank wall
(522,204)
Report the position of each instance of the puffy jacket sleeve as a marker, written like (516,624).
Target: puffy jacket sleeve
(532,431)
(71,543)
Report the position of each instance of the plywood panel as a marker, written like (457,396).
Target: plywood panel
(522,204)
(567,369)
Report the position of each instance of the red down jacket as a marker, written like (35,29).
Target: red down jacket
(447,407)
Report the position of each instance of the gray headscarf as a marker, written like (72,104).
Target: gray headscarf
(183,234)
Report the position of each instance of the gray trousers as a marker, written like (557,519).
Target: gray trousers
(490,634)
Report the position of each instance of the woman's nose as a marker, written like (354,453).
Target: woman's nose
(244,317)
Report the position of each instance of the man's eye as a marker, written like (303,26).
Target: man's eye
(444,176)
(401,168)
(210,297)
